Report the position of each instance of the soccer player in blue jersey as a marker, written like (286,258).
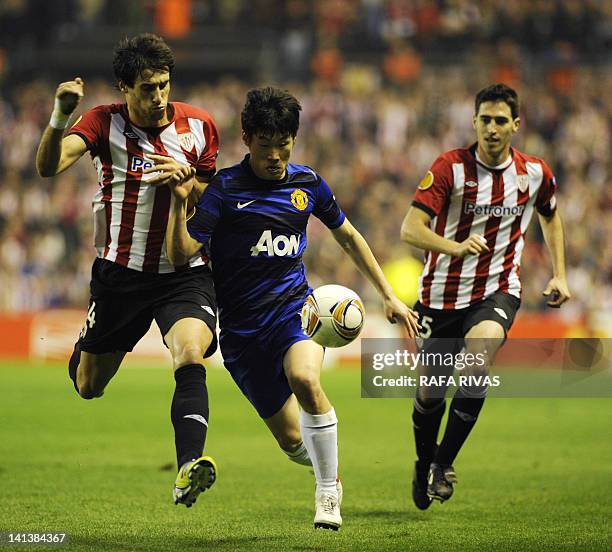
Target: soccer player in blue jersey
(251,221)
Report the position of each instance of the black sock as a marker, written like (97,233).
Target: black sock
(461,419)
(426,418)
(73,364)
(189,412)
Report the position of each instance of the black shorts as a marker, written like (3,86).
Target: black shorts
(124,302)
(500,307)
(443,331)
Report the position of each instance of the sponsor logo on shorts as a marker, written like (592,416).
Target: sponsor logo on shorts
(197,418)
(208,310)
(501,312)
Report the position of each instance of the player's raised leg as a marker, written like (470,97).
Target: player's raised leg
(483,341)
(91,372)
(285,426)
(112,327)
(188,340)
(319,427)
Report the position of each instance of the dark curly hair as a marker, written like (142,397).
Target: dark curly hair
(135,55)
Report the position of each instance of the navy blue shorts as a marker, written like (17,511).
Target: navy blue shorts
(256,362)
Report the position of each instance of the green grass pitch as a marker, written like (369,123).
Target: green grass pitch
(534,475)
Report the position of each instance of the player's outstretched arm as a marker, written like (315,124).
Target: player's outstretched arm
(180,246)
(416,231)
(359,251)
(557,288)
(55,153)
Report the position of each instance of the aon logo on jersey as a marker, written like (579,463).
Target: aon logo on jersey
(279,246)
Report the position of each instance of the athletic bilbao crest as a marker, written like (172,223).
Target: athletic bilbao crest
(523,182)
(186,140)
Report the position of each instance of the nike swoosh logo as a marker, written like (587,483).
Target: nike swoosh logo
(197,418)
(501,312)
(243,205)
(208,310)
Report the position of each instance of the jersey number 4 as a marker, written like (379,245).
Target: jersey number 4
(91,319)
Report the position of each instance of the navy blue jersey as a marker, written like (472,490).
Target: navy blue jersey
(254,232)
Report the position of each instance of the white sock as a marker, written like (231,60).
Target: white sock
(320,435)
(299,456)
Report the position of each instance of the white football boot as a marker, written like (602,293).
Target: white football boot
(327,511)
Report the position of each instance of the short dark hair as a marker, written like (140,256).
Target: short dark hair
(144,52)
(499,93)
(269,111)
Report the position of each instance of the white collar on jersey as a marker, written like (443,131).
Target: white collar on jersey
(499,167)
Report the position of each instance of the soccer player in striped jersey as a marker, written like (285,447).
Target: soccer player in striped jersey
(133,281)
(470,214)
(252,221)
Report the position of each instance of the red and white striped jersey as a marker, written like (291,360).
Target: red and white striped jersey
(464,197)
(130,217)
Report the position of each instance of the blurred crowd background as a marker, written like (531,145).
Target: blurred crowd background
(385,85)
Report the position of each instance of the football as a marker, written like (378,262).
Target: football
(333,315)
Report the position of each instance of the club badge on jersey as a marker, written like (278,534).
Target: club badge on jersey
(186,140)
(299,198)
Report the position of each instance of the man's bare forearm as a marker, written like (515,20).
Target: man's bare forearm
(54,154)
(49,152)
(360,253)
(552,230)
(196,193)
(179,244)
(421,236)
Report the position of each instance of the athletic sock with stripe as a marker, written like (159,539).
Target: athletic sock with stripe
(189,412)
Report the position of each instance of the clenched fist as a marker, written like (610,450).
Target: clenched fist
(69,95)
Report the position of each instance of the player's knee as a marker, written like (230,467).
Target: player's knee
(88,391)
(304,383)
(430,396)
(484,343)
(479,353)
(87,394)
(189,353)
(476,387)
(289,441)
(426,403)
(475,346)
